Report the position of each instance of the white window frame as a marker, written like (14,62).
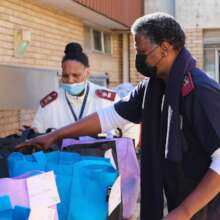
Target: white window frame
(217,55)
(102,41)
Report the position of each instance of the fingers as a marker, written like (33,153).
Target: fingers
(26,144)
(32,146)
(22,146)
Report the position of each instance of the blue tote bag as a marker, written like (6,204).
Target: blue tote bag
(60,162)
(7,212)
(69,168)
(92,180)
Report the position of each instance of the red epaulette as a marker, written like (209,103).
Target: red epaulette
(105,94)
(48,99)
(188,85)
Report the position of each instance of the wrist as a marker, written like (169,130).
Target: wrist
(185,209)
(56,136)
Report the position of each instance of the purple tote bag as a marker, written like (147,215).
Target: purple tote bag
(128,169)
(16,189)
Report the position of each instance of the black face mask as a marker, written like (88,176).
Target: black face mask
(144,68)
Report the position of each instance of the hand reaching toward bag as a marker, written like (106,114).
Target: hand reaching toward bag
(42,142)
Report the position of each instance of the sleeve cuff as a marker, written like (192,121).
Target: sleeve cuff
(215,164)
(110,119)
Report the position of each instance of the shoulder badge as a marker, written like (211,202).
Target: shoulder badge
(188,85)
(105,94)
(48,99)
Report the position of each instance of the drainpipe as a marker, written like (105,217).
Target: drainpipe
(125,57)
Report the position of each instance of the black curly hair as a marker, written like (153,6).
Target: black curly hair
(160,27)
(74,51)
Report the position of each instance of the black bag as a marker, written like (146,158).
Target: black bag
(94,149)
(8,144)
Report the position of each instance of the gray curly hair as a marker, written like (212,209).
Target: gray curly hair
(160,27)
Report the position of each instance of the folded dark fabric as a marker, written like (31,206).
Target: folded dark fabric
(8,144)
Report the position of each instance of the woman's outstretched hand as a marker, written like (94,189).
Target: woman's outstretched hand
(45,141)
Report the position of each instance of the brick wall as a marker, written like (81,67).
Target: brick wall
(51,30)
(26,116)
(112,64)
(8,122)
(12,120)
(194,42)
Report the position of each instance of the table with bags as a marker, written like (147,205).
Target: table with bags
(77,180)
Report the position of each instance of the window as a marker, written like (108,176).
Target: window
(211,61)
(98,40)
(211,39)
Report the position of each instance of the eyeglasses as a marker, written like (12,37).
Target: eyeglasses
(151,51)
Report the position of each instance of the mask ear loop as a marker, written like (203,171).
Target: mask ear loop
(159,61)
(153,51)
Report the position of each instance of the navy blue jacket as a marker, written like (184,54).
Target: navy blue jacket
(200,113)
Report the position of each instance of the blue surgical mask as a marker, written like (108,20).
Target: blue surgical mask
(74,89)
